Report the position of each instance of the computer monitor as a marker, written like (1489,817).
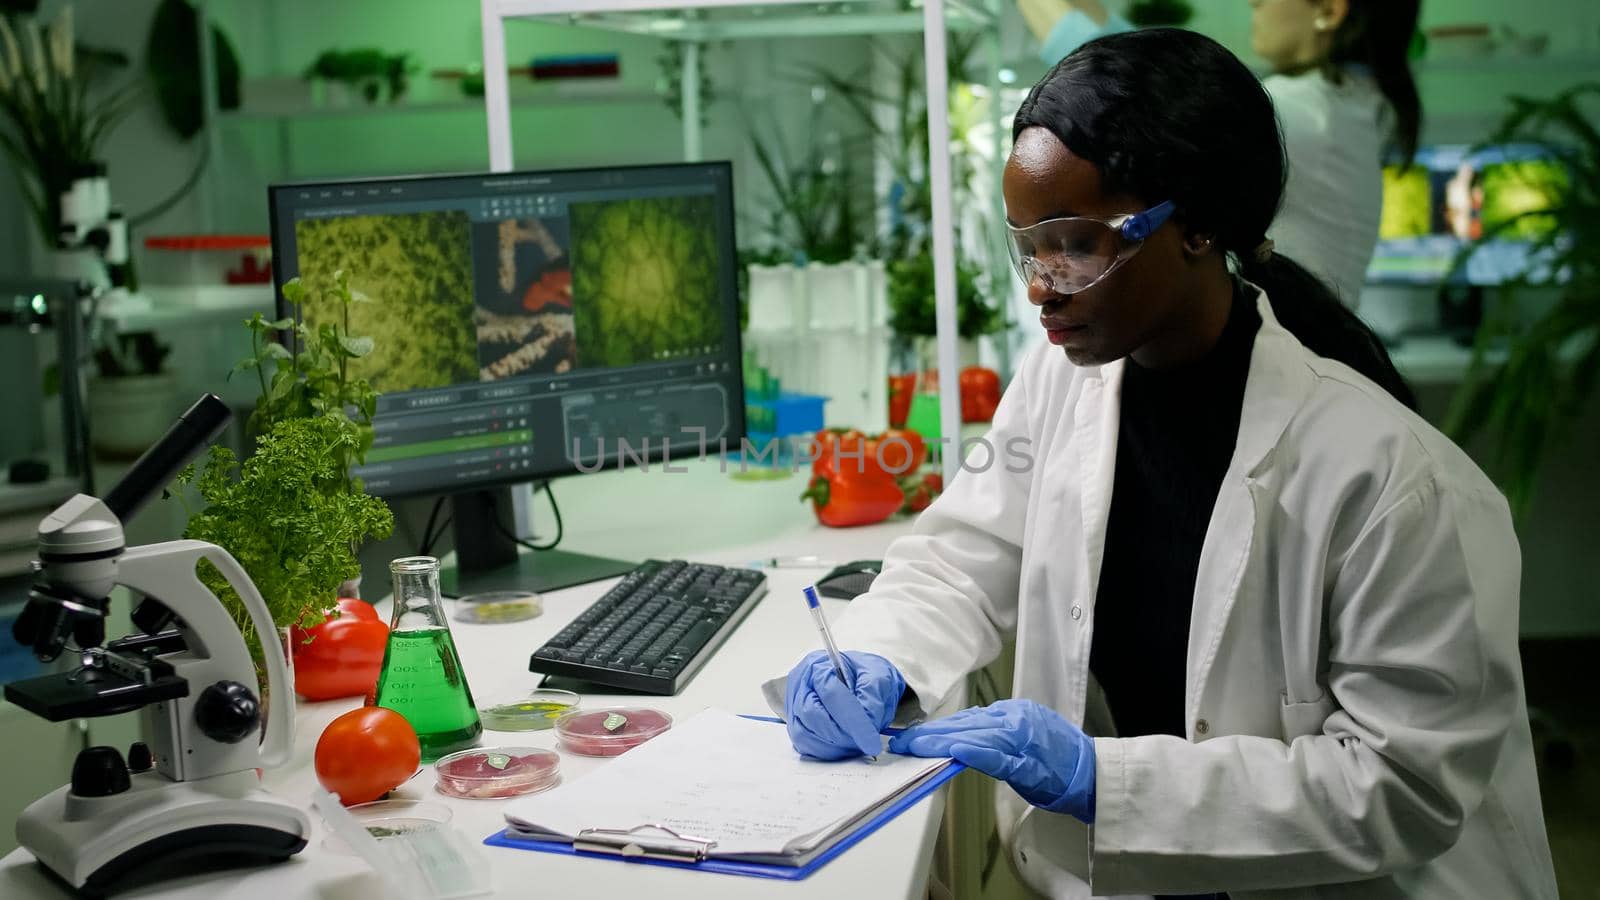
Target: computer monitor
(1454,195)
(527,325)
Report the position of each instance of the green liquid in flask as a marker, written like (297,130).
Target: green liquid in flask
(422,680)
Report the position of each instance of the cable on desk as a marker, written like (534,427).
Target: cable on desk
(554,509)
(429,538)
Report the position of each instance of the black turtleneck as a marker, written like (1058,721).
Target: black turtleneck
(1176,437)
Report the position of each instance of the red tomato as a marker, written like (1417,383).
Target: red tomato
(980,393)
(342,656)
(367,753)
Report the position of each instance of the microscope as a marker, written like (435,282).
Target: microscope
(188,794)
(92,240)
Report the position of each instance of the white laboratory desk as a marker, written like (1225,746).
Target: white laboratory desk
(702,516)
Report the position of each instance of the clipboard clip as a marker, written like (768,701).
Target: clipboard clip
(637,843)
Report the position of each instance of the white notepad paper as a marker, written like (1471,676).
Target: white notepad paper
(736,782)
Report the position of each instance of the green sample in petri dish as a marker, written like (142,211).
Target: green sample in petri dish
(537,711)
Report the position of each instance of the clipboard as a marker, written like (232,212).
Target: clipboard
(655,845)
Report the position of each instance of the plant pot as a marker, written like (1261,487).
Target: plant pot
(777,299)
(128,414)
(926,348)
(848,295)
(329,94)
(264,692)
(284,94)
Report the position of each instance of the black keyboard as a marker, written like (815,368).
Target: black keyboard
(654,629)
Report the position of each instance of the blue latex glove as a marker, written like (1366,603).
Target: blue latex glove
(828,720)
(1045,758)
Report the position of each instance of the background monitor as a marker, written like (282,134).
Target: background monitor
(1454,195)
(528,325)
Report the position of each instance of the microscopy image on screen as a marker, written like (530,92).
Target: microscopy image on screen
(644,279)
(523,315)
(416,271)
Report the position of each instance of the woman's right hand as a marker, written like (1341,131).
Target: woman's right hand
(829,719)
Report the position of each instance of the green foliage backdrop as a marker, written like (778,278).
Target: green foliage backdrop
(644,278)
(417,270)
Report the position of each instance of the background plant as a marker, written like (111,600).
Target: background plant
(819,213)
(1152,13)
(370,71)
(130,353)
(291,513)
(1528,399)
(911,312)
(52,123)
(894,113)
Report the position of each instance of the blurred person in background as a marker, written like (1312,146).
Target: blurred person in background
(1342,86)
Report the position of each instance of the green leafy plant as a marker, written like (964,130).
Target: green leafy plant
(1530,379)
(172,61)
(315,379)
(51,124)
(911,312)
(291,516)
(291,513)
(894,112)
(820,214)
(670,82)
(368,70)
(1153,13)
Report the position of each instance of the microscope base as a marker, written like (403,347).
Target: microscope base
(160,828)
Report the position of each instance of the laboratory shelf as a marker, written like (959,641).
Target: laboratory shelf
(840,19)
(173,306)
(557,95)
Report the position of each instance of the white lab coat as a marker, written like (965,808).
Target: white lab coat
(1333,136)
(1356,721)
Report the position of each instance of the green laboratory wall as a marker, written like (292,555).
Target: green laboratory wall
(759,83)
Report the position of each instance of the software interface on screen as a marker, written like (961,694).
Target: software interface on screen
(526,324)
(1453,196)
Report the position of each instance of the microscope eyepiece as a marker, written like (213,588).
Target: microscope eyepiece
(154,470)
(52,616)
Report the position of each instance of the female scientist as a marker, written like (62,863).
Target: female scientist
(1285,605)
(1342,86)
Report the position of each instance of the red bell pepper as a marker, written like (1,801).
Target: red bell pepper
(342,656)
(844,450)
(843,499)
(889,451)
(980,394)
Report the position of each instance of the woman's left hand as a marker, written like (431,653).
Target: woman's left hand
(1046,759)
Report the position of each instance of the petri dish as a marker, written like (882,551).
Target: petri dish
(533,711)
(609,732)
(385,819)
(498,607)
(490,773)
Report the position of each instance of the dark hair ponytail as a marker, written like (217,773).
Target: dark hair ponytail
(1378,34)
(1324,325)
(1167,114)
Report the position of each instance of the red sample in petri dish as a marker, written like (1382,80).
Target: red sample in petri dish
(494,772)
(609,732)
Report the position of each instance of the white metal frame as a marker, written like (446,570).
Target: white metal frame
(497,103)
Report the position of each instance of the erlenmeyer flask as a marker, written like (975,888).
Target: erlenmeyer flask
(422,678)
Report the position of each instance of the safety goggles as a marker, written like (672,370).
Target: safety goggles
(1072,254)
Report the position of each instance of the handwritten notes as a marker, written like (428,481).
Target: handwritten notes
(721,778)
